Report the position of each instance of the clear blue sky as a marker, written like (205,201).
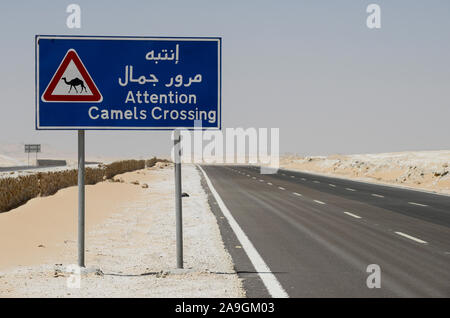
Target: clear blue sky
(311,68)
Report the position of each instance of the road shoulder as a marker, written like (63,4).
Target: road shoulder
(252,283)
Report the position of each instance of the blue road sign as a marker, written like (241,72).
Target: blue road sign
(99,82)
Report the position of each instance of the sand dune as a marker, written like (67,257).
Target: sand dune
(426,170)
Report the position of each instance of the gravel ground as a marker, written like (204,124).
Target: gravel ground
(133,251)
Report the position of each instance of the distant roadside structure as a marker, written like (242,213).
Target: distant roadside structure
(51,163)
(32,148)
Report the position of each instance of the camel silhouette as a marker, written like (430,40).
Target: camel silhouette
(74,83)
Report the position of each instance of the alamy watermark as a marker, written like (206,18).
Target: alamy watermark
(73,20)
(373,21)
(374,279)
(258,146)
(74,279)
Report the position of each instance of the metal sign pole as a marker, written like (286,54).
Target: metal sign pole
(81,198)
(178,203)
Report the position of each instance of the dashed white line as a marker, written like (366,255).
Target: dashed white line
(331,185)
(377,195)
(350,189)
(303,179)
(253,177)
(269,183)
(261,180)
(281,188)
(315,181)
(292,176)
(419,204)
(320,202)
(353,215)
(411,237)
(297,194)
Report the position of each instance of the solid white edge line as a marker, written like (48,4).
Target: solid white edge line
(270,281)
(353,215)
(320,202)
(411,237)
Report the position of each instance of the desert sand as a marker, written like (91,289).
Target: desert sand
(38,230)
(130,241)
(424,170)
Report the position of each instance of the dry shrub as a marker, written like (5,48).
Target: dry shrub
(152,162)
(51,182)
(94,175)
(119,167)
(16,191)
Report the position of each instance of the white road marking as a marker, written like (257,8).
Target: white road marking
(283,174)
(281,188)
(377,195)
(315,181)
(269,183)
(350,189)
(270,281)
(419,204)
(331,185)
(261,180)
(248,175)
(411,237)
(303,179)
(353,215)
(297,194)
(253,177)
(292,176)
(320,202)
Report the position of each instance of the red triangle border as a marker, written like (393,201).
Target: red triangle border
(72,55)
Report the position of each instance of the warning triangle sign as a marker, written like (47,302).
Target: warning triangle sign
(72,82)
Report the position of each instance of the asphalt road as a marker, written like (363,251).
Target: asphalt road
(20,168)
(318,234)
(17,168)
